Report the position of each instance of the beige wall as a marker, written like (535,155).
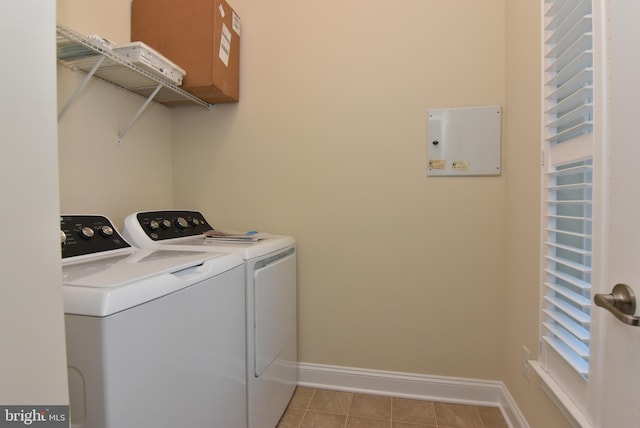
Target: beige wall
(109,19)
(98,174)
(397,271)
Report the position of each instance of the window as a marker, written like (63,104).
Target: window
(567,263)
(567,197)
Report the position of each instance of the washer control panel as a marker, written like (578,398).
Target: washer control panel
(88,234)
(170,224)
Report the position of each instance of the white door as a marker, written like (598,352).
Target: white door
(617,400)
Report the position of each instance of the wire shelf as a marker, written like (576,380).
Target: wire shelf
(81,53)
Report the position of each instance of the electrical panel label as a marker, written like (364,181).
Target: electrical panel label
(437,164)
(461,165)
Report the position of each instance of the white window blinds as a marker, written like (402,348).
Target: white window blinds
(569,59)
(568,127)
(567,263)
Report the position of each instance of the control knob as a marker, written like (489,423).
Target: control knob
(181,223)
(63,238)
(86,233)
(166,224)
(196,222)
(154,225)
(106,231)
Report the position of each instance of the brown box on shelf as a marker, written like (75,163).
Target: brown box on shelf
(201,36)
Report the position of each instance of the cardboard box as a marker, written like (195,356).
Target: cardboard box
(202,36)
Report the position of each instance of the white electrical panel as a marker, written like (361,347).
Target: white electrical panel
(464,141)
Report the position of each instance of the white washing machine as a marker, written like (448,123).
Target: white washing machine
(154,338)
(270,272)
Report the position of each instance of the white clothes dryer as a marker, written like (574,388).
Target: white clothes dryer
(271,306)
(154,338)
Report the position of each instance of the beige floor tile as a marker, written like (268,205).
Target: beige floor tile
(320,408)
(370,406)
(414,411)
(396,424)
(336,402)
(322,420)
(291,418)
(359,422)
(457,416)
(301,397)
(492,417)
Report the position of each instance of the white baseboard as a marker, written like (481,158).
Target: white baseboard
(409,385)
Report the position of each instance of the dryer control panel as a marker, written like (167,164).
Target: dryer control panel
(88,234)
(170,224)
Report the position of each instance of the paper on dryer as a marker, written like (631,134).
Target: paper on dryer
(229,236)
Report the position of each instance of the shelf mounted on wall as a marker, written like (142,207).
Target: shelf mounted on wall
(81,53)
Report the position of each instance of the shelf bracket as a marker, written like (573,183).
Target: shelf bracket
(124,130)
(81,87)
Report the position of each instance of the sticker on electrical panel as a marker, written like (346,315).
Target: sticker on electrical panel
(236,23)
(437,164)
(460,165)
(225,45)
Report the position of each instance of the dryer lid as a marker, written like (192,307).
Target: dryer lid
(246,251)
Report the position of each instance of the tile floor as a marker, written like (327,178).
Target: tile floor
(321,408)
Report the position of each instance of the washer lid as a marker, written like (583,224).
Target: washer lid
(106,285)
(118,270)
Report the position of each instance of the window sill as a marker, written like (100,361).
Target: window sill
(575,417)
